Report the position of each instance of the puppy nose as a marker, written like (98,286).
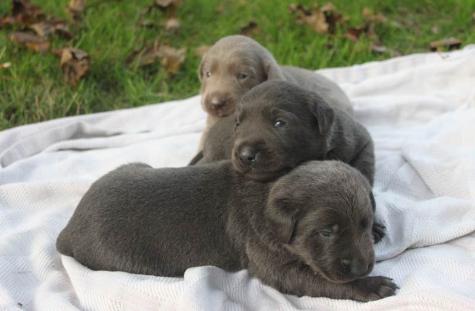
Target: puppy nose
(355,267)
(346,264)
(248,154)
(217,102)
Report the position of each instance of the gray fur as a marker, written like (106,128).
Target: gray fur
(233,57)
(307,233)
(314,131)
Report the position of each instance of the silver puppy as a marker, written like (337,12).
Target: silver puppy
(236,64)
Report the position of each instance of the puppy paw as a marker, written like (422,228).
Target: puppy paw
(374,288)
(379,231)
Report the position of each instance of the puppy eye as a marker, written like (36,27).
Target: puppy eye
(242,76)
(207,74)
(279,123)
(326,233)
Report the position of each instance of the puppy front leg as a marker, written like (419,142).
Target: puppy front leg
(298,279)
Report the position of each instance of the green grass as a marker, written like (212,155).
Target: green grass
(33,90)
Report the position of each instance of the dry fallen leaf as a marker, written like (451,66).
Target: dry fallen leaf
(7,21)
(249,29)
(31,41)
(146,23)
(23,13)
(76,8)
(371,19)
(167,3)
(170,58)
(380,49)
(5,65)
(168,6)
(321,19)
(145,56)
(448,43)
(201,50)
(26,13)
(47,28)
(75,64)
(172,24)
(30,16)
(371,16)
(354,33)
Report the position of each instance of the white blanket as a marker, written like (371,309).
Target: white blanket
(420,110)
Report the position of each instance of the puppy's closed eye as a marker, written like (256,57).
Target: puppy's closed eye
(242,76)
(329,231)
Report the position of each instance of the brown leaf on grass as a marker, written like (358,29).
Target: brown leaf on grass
(201,50)
(170,58)
(250,29)
(5,65)
(47,28)
(75,64)
(172,24)
(23,13)
(7,21)
(26,15)
(31,41)
(354,33)
(435,29)
(145,56)
(370,16)
(368,28)
(167,3)
(76,9)
(168,6)
(445,44)
(26,12)
(473,17)
(321,19)
(381,49)
(148,23)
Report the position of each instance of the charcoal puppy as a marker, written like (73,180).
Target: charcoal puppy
(278,125)
(236,64)
(308,233)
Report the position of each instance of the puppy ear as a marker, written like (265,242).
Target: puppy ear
(283,216)
(273,72)
(271,69)
(373,201)
(323,113)
(200,68)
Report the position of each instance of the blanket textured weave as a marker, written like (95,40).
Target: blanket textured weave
(420,110)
